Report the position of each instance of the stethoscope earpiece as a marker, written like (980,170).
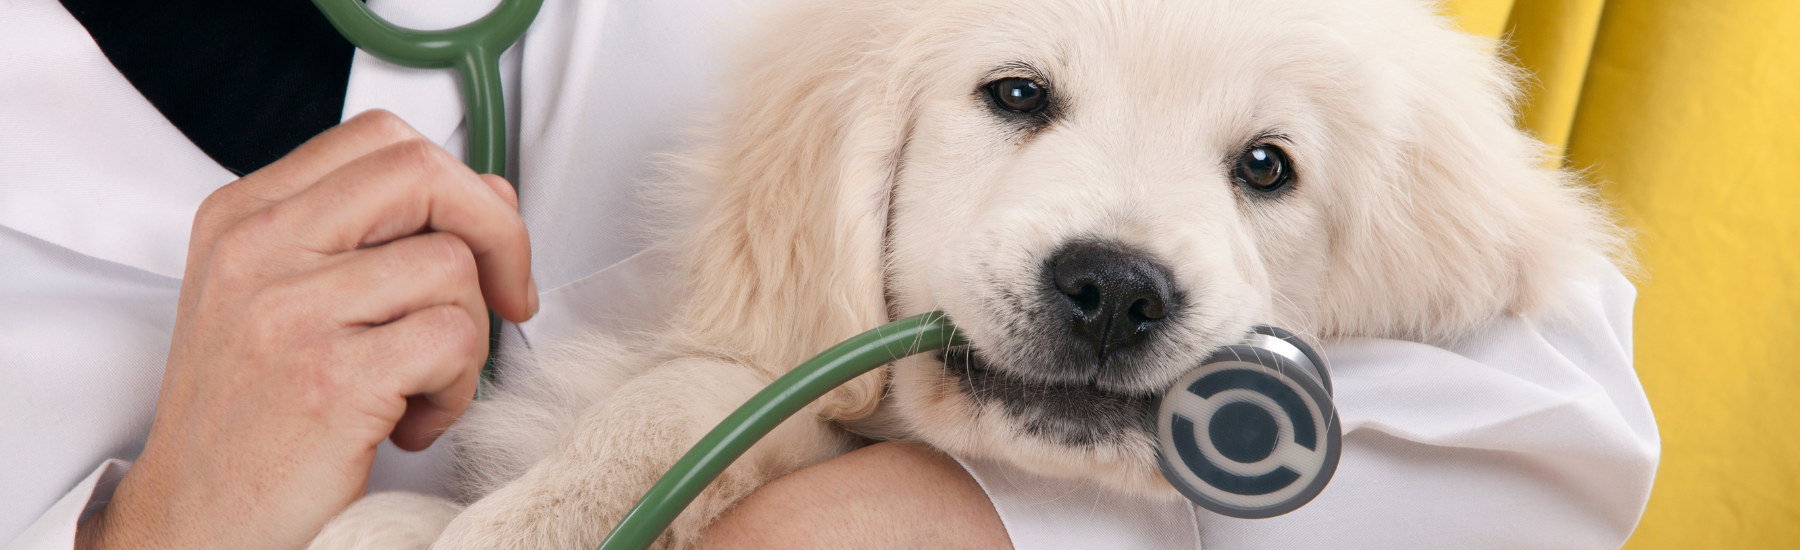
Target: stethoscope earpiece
(1251,433)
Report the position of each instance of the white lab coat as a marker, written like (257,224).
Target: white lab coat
(1530,435)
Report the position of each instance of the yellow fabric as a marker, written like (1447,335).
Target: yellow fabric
(1483,17)
(1549,38)
(1691,113)
(1552,39)
(1688,114)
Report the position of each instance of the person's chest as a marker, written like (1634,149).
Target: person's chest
(98,189)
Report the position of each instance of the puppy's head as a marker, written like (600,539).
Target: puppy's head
(1101,193)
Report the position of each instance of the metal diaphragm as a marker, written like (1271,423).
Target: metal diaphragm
(1251,433)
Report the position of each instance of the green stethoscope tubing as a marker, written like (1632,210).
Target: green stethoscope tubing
(767,409)
(474,51)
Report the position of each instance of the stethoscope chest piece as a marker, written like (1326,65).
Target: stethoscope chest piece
(1251,433)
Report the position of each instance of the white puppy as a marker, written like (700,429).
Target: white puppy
(1098,192)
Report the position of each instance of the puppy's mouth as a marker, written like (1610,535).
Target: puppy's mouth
(1075,415)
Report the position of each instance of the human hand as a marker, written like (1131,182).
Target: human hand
(333,299)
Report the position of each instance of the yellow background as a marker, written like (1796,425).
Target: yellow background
(1687,113)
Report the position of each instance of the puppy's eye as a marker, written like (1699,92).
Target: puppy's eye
(1019,95)
(1264,168)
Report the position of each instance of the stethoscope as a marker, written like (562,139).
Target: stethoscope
(1249,433)
(473,50)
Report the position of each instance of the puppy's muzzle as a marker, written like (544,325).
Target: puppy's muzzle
(1116,297)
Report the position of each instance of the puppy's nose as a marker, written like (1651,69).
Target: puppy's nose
(1117,296)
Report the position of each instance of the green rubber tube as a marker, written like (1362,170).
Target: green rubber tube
(473,50)
(767,409)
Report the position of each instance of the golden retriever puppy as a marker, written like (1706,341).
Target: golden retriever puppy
(1098,192)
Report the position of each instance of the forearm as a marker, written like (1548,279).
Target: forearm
(892,494)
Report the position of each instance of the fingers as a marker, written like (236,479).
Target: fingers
(384,283)
(412,187)
(361,135)
(502,188)
(422,424)
(230,204)
(410,289)
(332,299)
(434,357)
(395,234)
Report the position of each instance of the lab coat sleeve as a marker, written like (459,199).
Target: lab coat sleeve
(55,530)
(1532,433)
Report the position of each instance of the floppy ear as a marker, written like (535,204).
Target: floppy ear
(786,249)
(1469,220)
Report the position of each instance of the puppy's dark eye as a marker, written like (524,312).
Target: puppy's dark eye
(1019,95)
(1264,168)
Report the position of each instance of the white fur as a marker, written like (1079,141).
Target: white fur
(856,176)
(388,521)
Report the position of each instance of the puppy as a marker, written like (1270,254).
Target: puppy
(1098,192)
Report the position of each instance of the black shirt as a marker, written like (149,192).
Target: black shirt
(246,81)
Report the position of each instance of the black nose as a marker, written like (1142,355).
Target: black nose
(1117,296)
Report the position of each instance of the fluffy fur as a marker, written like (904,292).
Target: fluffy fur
(860,174)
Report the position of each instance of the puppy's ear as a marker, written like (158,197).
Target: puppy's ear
(1463,217)
(786,246)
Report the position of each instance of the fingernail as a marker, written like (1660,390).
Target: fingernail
(531,294)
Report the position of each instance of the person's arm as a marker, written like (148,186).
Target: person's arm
(333,299)
(893,494)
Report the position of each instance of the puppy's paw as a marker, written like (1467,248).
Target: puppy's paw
(572,498)
(577,514)
(387,521)
(533,516)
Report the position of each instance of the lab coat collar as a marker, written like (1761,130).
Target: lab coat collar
(86,162)
(90,165)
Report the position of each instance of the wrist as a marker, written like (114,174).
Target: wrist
(88,535)
(124,521)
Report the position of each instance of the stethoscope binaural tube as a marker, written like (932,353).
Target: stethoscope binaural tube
(473,50)
(1264,371)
